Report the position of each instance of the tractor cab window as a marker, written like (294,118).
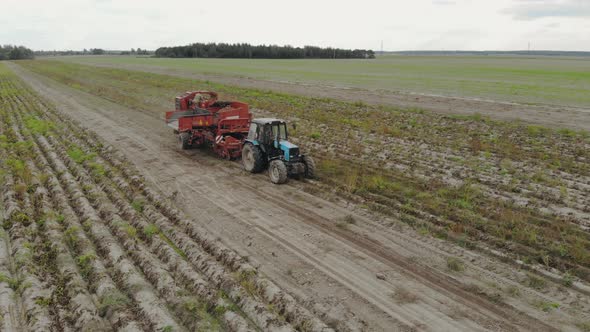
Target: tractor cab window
(279,129)
(253,132)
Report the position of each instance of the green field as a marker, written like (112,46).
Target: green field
(531,80)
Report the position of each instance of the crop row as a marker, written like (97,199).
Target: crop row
(105,251)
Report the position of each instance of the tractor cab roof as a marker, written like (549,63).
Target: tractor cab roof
(263,121)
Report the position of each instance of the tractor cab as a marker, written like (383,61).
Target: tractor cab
(271,135)
(265,130)
(267,146)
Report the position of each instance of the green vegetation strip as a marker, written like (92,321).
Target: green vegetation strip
(545,80)
(461,213)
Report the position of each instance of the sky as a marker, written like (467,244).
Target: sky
(399,25)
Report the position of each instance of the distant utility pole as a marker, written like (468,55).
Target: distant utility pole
(529,50)
(381,46)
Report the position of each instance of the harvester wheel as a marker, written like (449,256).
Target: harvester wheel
(183,141)
(252,158)
(309,167)
(277,172)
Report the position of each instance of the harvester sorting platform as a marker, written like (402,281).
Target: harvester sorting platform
(199,119)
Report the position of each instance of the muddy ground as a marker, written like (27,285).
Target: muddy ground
(365,275)
(554,116)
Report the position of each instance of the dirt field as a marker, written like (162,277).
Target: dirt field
(297,260)
(526,104)
(87,246)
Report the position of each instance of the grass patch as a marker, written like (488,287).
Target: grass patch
(12,282)
(315,135)
(150,230)
(536,282)
(584,326)
(19,169)
(97,169)
(113,301)
(246,279)
(79,156)
(131,231)
(138,205)
(85,264)
(536,131)
(568,280)
(547,306)
(70,235)
(208,321)
(38,126)
(43,301)
(454,264)
(17,284)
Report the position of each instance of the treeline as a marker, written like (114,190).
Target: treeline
(133,51)
(222,50)
(13,52)
(95,51)
(92,51)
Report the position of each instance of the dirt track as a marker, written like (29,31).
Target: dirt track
(548,115)
(364,276)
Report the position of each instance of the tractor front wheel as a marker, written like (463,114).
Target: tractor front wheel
(277,172)
(252,158)
(309,167)
(183,141)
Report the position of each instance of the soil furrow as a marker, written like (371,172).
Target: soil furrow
(126,232)
(71,300)
(27,278)
(274,295)
(28,286)
(125,273)
(10,309)
(113,304)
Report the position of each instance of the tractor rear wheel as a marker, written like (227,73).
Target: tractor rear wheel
(252,158)
(183,141)
(309,167)
(277,172)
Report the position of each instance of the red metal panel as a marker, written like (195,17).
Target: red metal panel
(225,128)
(185,124)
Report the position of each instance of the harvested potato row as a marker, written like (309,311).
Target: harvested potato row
(125,260)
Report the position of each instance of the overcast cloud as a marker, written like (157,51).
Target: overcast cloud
(402,25)
(534,9)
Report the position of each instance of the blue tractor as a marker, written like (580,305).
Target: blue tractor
(267,147)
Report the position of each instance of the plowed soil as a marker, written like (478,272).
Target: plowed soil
(331,264)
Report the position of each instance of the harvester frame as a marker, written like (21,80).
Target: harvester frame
(200,119)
